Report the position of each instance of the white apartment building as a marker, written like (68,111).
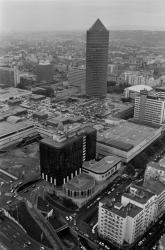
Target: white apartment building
(150,109)
(154,180)
(126,221)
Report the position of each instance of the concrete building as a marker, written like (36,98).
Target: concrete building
(128,219)
(160,91)
(44,71)
(103,169)
(11,133)
(62,159)
(80,186)
(97,59)
(13,93)
(126,140)
(9,76)
(134,91)
(154,180)
(149,109)
(76,78)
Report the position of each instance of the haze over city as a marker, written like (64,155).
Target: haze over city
(41,15)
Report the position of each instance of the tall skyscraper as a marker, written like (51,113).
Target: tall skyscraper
(61,161)
(97,59)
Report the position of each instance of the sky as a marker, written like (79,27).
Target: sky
(38,15)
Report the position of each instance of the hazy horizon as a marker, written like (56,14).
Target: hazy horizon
(71,15)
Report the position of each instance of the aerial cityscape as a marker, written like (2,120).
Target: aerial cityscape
(82,127)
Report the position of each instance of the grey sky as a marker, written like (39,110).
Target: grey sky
(24,15)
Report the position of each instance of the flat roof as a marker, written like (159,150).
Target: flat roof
(141,190)
(125,135)
(129,210)
(8,93)
(7,128)
(80,182)
(69,140)
(156,186)
(102,166)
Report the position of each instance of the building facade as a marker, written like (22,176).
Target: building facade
(103,169)
(97,59)
(76,78)
(9,76)
(61,161)
(149,109)
(44,72)
(126,221)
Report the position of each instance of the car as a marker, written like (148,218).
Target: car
(140,243)
(33,186)
(8,202)
(25,191)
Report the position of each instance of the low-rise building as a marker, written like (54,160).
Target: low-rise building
(126,140)
(103,169)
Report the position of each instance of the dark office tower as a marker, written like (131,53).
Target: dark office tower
(97,59)
(61,161)
(44,72)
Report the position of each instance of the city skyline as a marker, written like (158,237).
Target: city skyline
(80,14)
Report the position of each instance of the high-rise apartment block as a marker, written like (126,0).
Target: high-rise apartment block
(149,109)
(44,71)
(76,78)
(97,59)
(128,219)
(62,160)
(9,76)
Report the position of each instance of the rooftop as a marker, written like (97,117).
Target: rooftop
(125,135)
(8,93)
(80,182)
(140,195)
(156,186)
(98,26)
(66,141)
(118,209)
(7,127)
(138,88)
(103,165)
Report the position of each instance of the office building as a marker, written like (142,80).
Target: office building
(76,78)
(44,72)
(149,109)
(62,160)
(125,221)
(97,59)
(9,76)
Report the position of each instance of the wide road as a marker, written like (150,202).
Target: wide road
(14,237)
